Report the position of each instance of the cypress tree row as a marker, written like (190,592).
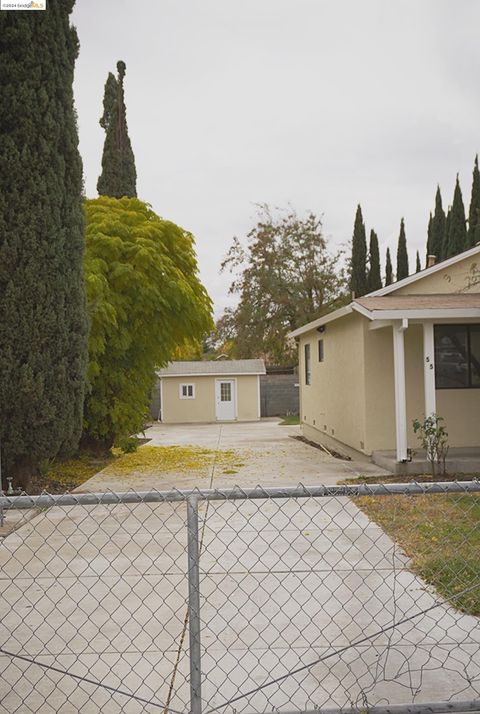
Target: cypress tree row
(388,269)
(43,323)
(418,266)
(456,235)
(402,255)
(437,236)
(474,212)
(358,278)
(374,281)
(119,175)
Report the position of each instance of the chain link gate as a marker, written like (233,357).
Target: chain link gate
(246,600)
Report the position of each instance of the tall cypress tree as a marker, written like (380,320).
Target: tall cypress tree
(474,212)
(374,281)
(388,269)
(456,238)
(429,235)
(402,255)
(437,235)
(358,279)
(418,265)
(445,235)
(43,323)
(119,175)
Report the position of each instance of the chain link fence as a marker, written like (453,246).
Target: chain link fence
(341,598)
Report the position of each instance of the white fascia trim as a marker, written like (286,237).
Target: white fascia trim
(211,374)
(321,321)
(433,314)
(362,310)
(424,273)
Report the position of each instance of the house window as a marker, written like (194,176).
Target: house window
(457,356)
(308,374)
(187,391)
(321,351)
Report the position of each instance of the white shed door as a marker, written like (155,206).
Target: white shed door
(225,398)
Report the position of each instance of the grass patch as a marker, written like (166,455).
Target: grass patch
(61,476)
(441,535)
(290,420)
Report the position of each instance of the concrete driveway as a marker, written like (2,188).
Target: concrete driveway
(100,592)
(270,455)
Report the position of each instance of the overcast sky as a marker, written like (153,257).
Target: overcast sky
(320,103)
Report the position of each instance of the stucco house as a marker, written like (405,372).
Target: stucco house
(368,369)
(223,390)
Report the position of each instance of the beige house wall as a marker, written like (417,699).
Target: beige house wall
(202,407)
(334,403)
(380,388)
(451,280)
(351,398)
(460,408)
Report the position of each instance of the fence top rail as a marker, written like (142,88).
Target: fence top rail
(46,500)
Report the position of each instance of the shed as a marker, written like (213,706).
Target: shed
(223,390)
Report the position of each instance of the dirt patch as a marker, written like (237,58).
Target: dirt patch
(421,478)
(332,452)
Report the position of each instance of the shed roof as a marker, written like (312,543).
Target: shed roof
(229,367)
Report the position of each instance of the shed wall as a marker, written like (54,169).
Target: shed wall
(202,407)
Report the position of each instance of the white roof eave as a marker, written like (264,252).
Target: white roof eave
(424,313)
(335,315)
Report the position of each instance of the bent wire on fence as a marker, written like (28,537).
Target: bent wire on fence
(295,600)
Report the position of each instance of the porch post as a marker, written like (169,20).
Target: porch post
(429,369)
(400,389)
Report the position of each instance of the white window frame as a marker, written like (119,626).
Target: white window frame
(187,385)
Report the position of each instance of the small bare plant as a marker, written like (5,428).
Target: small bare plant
(434,438)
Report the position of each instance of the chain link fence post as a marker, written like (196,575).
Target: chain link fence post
(194,605)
